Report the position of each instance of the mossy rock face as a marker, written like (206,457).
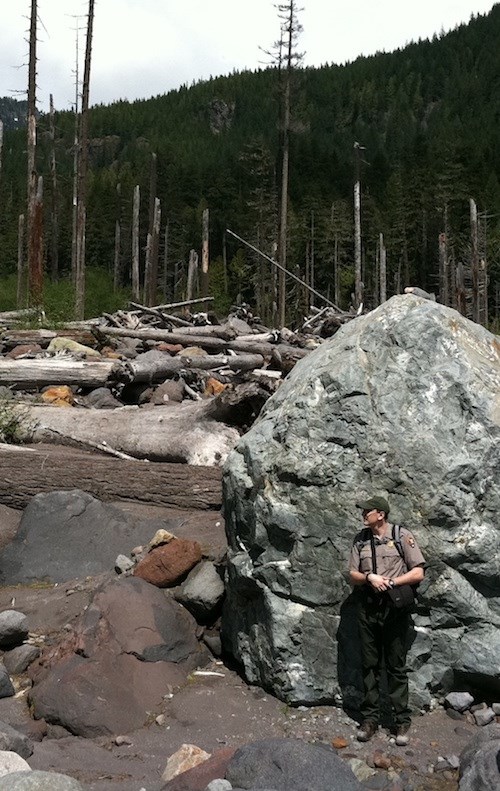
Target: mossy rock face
(402,402)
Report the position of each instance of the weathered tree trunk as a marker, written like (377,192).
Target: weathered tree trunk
(358,285)
(158,371)
(1,148)
(204,254)
(116,263)
(11,338)
(177,433)
(82,172)
(444,276)
(21,268)
(383,269)
(54,241)
(26,471)
(192,272)
(32,374)
(154,252)
(32,184)
(136,285)
(474,232)
(165,264)
(35,250)
(76,155)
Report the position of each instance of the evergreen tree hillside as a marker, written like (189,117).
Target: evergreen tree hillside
(427,117)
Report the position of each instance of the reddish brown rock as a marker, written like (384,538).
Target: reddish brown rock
(381,761)
(187,757)
(171,348)
(200,776)
(22,349)
(168,391)
(166,565)
(339,743)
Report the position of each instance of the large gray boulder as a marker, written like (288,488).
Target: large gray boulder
(404,402)
(68,534)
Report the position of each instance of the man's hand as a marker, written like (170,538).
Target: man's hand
(378,582)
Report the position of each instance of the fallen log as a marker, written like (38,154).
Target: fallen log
(12,338)
(159,370)
(32,374)
(26,471)
(181,433)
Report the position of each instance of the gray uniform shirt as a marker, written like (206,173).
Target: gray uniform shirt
(389,562)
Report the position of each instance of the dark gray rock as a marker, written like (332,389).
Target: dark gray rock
(16,742)
(6,687)
(290,765)
(38,781)
(70,534)
(130,645)
(102,398)
(18,659)
(401,402)
(480,761)
(202,592)
(13,628)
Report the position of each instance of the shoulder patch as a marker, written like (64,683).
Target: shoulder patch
(410,540)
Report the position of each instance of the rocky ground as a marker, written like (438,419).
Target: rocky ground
(213,710)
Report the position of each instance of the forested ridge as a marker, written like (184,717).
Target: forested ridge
(427,117)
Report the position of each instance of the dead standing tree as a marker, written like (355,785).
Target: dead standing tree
(82,172)
(287,58)
(33,226)
(55,222)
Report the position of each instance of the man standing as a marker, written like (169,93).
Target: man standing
(381,560)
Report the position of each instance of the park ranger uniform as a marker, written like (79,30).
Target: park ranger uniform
(383,629)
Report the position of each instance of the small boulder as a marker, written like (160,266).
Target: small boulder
(39,781)
(484,717)
(12,762)
(18,659)
(59,395)
(13,628)
(186,757)
(169,391)
(459,701)
(61,344)
(102,398)
(204,774)
(202,592)
(24,350)
(123,564)
(15,742)
(166,565)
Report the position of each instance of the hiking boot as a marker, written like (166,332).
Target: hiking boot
(402,734)
(366,730)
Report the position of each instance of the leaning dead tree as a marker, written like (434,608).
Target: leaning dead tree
(82,172)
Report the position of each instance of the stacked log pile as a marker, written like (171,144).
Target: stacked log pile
(151,384)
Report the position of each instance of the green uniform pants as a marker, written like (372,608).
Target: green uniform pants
(383,632)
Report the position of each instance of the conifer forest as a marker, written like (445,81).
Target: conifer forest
(415,131)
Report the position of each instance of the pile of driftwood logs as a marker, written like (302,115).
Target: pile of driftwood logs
(154,384)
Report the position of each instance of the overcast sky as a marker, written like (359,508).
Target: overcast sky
(142,48)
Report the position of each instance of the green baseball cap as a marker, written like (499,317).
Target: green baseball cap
(377,503)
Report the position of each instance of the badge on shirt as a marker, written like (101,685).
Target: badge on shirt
(390,543)
(411,541)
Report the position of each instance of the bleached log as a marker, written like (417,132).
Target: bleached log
(29,470)
(183,433)
(32,374)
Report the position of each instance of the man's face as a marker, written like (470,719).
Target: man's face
(372,517)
